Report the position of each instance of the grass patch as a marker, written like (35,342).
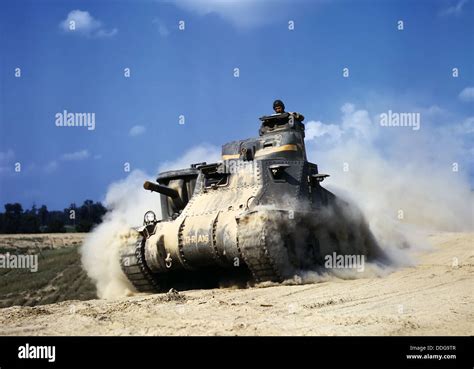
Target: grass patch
(59,277)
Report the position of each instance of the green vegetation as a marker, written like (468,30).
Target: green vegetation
(59,277)
(34,220)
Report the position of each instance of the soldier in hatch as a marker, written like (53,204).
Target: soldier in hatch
(279,108)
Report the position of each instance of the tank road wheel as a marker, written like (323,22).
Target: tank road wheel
(132,261)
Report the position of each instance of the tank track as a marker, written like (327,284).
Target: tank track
(134,266)
(256,256)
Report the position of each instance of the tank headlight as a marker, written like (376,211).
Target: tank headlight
(149,218)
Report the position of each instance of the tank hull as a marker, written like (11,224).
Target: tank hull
(265,244)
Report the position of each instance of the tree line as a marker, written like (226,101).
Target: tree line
(38,220)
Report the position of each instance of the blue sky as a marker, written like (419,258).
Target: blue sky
(190,72)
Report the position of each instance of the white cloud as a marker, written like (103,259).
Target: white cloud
(81,22)
(197,154)
(242,14)
(78,155)
(102,33)
(137,130)
(355,124)
(455,9)
(467,94)
(53,165)
(358,121)
(318,129)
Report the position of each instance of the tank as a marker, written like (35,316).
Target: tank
(259,214)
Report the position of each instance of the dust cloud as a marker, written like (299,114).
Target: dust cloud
(407,183)
(126,202)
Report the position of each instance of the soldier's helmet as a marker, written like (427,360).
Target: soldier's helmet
(278,103)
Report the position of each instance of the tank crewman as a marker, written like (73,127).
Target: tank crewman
(279,108)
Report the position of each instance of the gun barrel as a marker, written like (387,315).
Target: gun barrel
(155,187)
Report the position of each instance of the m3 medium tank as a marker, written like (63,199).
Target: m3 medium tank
(259,214)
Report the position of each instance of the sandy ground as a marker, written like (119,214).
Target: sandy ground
(42,241)
(432,298)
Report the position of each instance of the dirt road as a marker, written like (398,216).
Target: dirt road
(436,297)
